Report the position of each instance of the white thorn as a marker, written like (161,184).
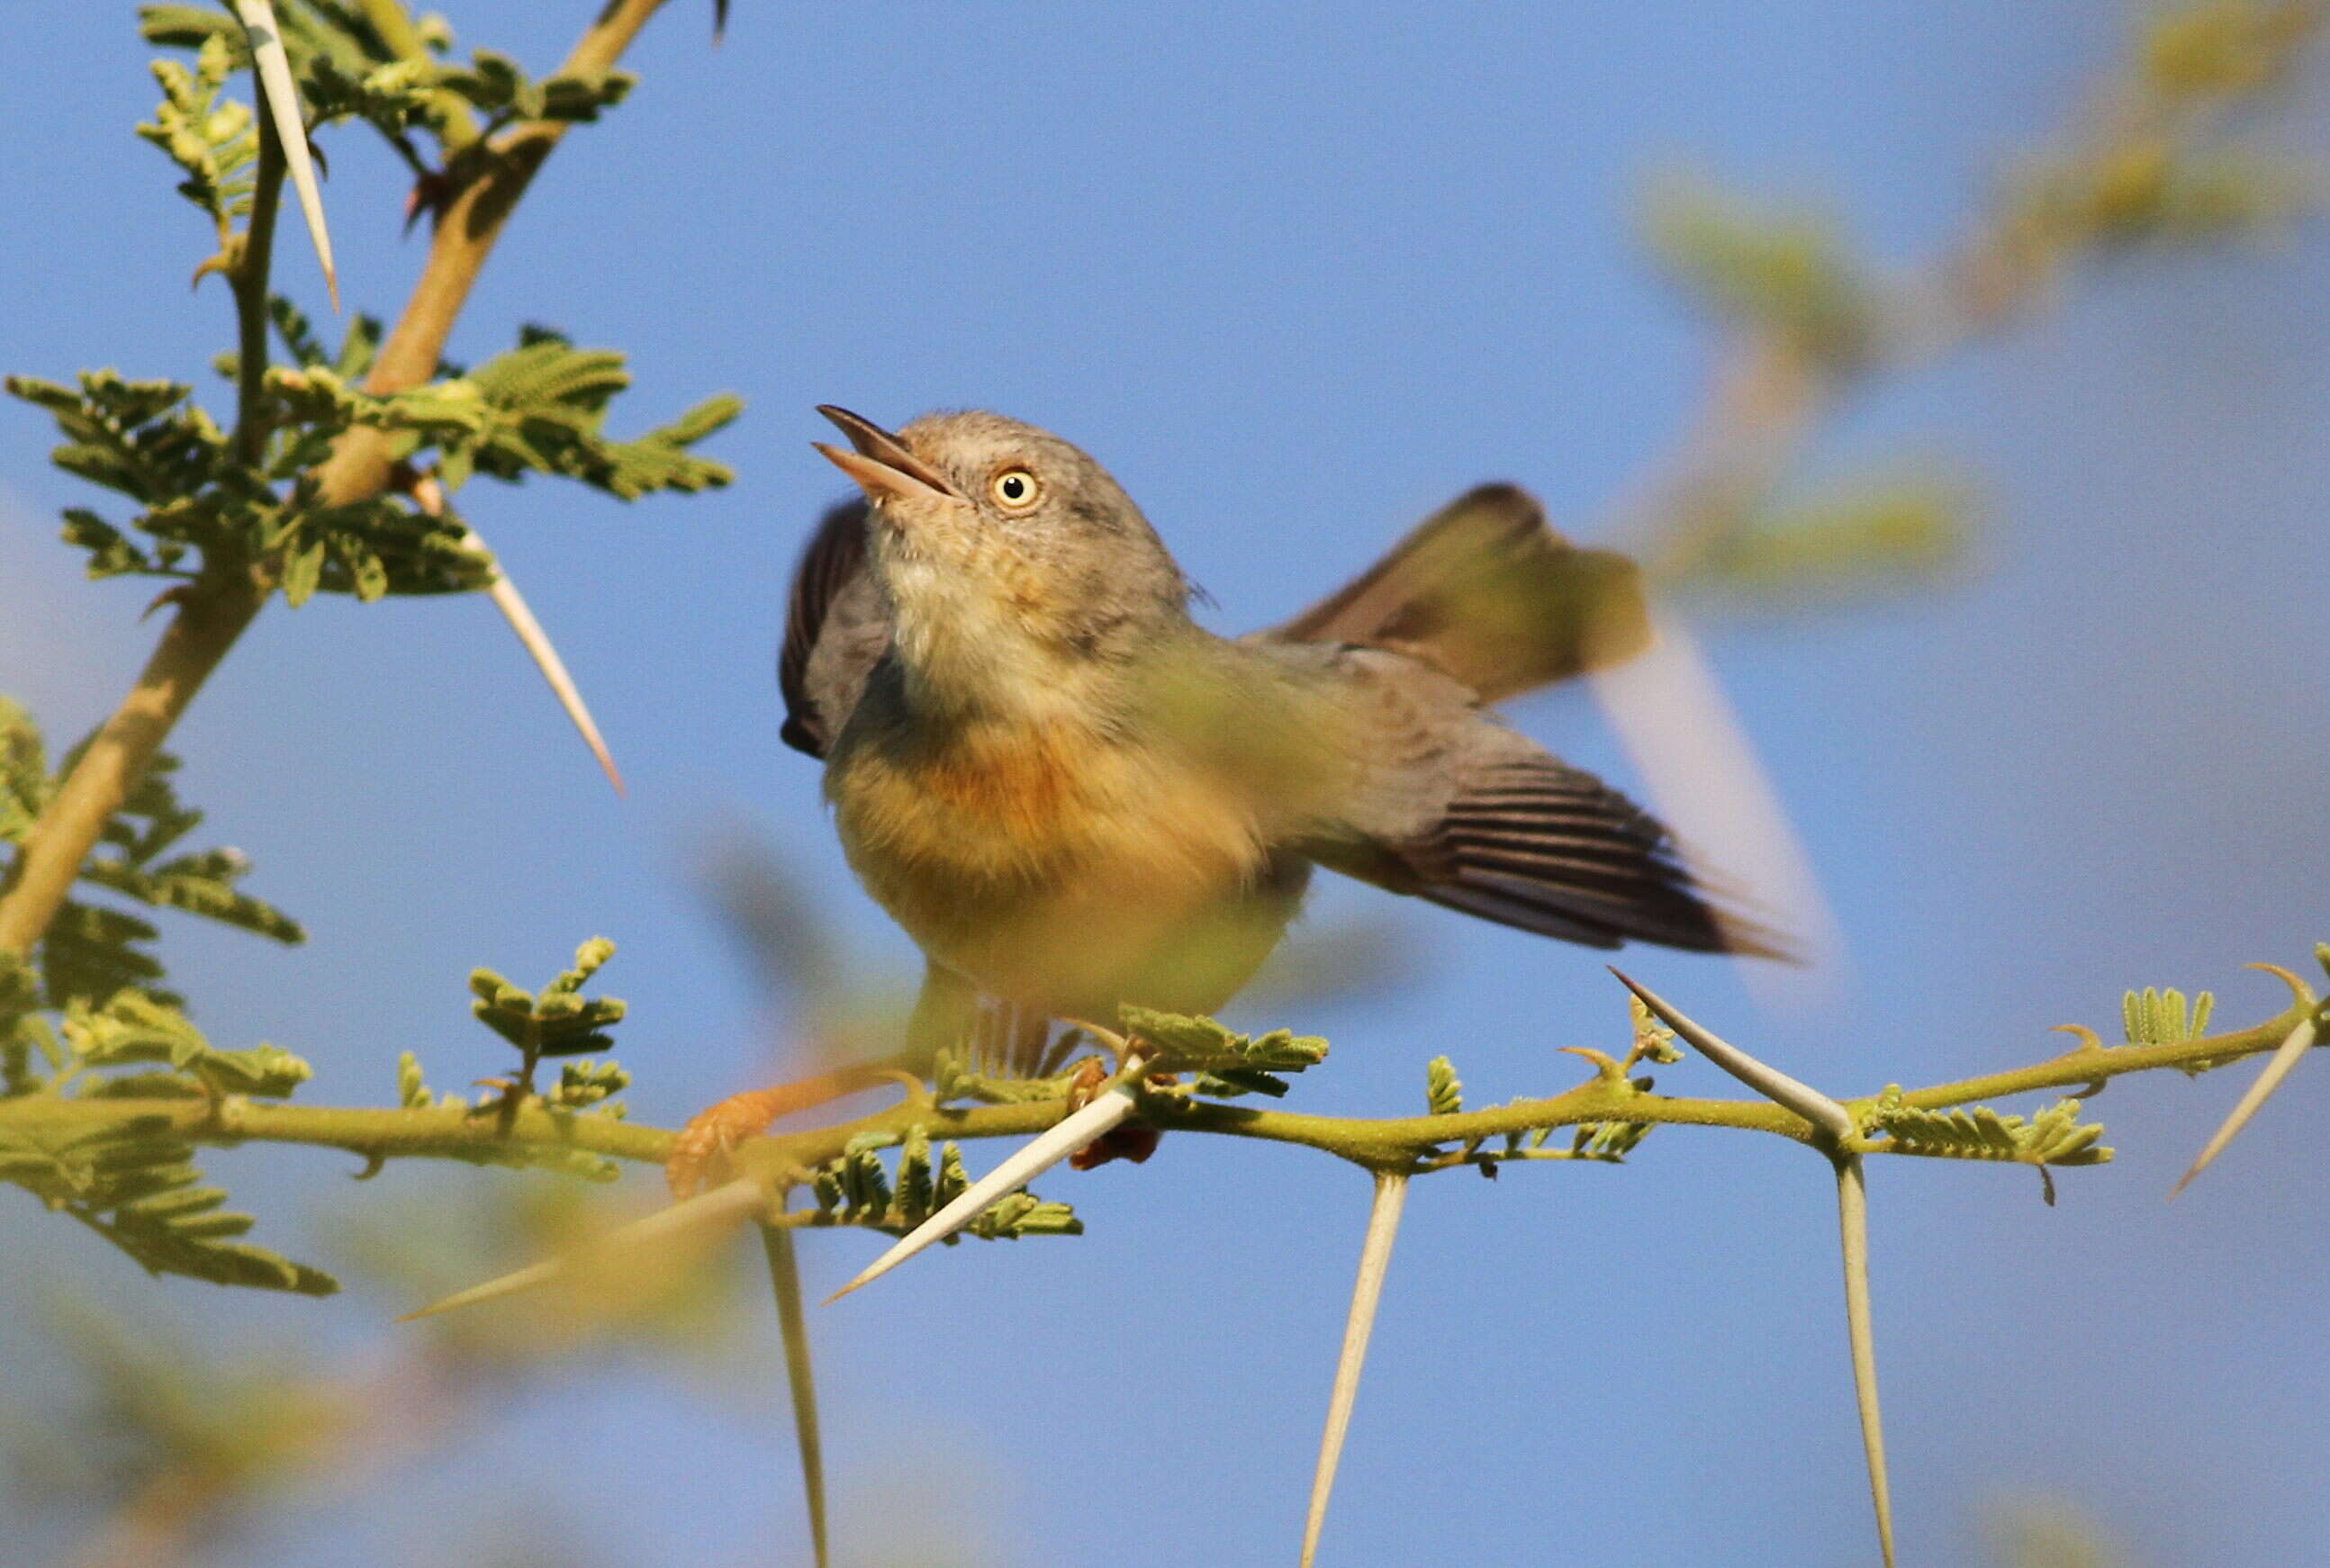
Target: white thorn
(2285,1057)
(1375,1261)
(722,1206)
(512,606)
(1770,1081)
(430,496)
(1852,1223)
(274,67)
(1040,1155)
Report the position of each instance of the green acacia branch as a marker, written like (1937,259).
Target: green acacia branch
(1398,1145)
(212,611)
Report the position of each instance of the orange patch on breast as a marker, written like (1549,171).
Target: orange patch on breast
(1027,856)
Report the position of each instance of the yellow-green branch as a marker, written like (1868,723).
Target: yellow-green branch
(1386,1144)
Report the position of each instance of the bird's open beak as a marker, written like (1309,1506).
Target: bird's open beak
(881,462)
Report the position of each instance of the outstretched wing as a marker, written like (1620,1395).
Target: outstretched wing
(1486,592)
(1452,807)
(836,629)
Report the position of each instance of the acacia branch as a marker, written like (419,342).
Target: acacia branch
(212,611)
(1398,1145)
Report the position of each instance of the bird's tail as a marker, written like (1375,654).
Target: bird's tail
(1485,591)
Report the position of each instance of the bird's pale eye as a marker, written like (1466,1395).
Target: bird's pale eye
(1015,490)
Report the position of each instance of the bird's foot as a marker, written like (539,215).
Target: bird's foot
(703,1146)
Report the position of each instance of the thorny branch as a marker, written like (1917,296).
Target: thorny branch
(1399,1145)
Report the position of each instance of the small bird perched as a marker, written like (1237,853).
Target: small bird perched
(1074,798)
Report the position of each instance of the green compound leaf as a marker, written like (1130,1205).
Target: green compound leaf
(91,950)
(1227,1063)
(137,1185)
(1444,1091)
(214,140)
(2056,1136)
(2154,1016)
(133,1027)
(1787,273)
(560,1022)
(858,1189)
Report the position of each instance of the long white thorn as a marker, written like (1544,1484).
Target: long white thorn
(785,1276)
(274,67)
(1040,1155)
(430,496)
(723,1205)
(1852,1223)
(2286,1056)
(537,644)
(1375,1262)
(1803,1099)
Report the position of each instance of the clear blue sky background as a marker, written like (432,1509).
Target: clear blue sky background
(1297,273)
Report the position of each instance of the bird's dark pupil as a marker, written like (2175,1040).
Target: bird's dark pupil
(1014,488)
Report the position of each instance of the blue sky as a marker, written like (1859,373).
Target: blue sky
(1297,274)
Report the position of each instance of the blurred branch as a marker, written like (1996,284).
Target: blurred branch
(1809,325)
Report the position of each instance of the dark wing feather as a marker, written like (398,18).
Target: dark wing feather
(1550,849)
(1485,591)
(1452,807)
(836,629)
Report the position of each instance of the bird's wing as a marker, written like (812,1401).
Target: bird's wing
(1485,591)
(1451,806)
(836,629)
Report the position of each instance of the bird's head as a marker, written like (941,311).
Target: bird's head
(1003,548)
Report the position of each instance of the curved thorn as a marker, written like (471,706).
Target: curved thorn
(1852,1226)
(2283,1060)
(1375,1261)
(720,1206)
(1803,1099)
(274,70)
(784,1277)
(2304,991)
(2088,1039)
(1035,1158)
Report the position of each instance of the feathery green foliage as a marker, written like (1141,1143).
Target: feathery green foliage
(214,140)
(95,949)
(856,1189)
(134,1180)
(207,494)
(2055,1136)
(1227,1063)
(106,1085)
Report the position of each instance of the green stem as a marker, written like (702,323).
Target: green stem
(254,259)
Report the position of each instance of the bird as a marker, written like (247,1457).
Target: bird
(1074,798)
